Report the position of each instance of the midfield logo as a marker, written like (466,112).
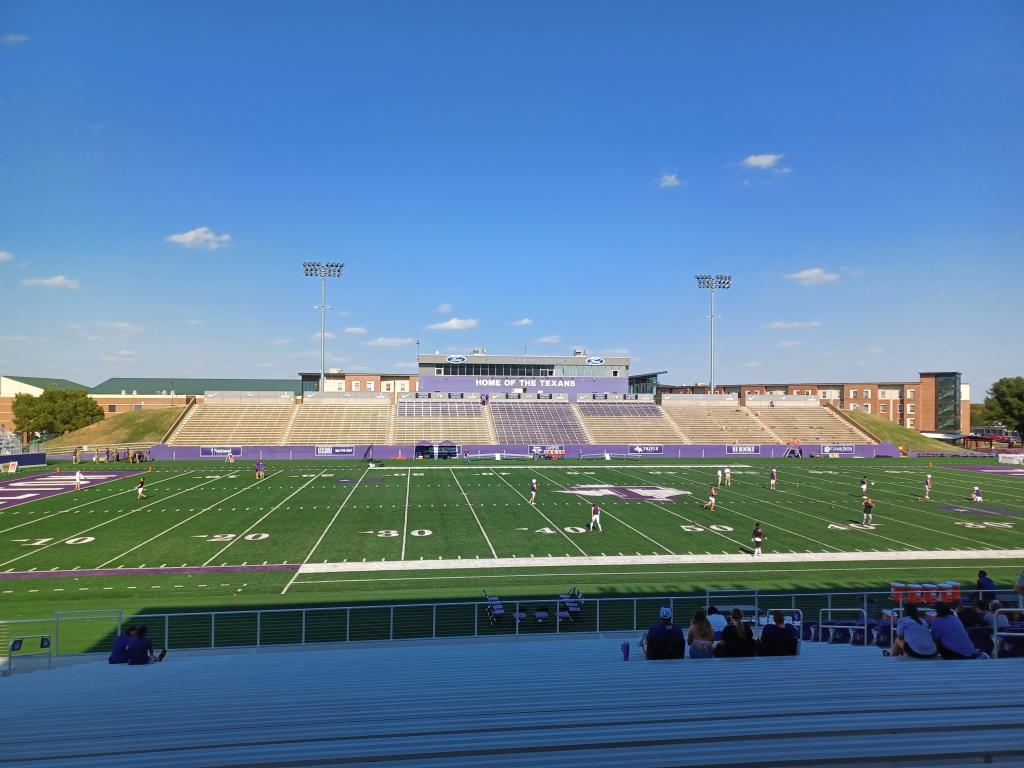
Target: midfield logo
(628,492)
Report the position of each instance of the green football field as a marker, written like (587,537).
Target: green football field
(209,536)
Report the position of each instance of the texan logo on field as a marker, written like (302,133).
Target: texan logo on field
(628,492)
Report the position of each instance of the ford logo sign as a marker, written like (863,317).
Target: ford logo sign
(595,361)
(456,359)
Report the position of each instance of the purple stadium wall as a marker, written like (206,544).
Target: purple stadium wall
(769,451)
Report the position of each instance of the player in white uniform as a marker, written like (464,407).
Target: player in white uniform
(757,537)
(595,518)
(927,486)
(718,482)
(79,477)
(533,492)
(138,488)
(864,485)
(976,494)
(712,494)
(773,479)
(728,477)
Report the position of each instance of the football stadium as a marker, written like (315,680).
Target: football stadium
(677,546)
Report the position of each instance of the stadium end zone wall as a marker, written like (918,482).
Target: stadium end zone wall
(734,452)
(24,459)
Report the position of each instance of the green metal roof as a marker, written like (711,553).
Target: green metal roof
(47,383)
(186,386)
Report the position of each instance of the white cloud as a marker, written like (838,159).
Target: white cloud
(57,281)
(388,342)
(761,162)
(523,323)
(814,276)
(779,325)
(121,356)
(13,39)
(789,344)
(6,256)
(669,180)
(201,238)
(354,330)
(455,324)
(552,339)
(327,335)
(193,322)
(444,309)
(279,342)
(15,340)
(122,327)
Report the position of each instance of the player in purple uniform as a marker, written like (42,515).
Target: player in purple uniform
(773,479)
(595,518)
(261,469)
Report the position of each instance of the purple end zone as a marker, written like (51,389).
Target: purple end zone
(187,571)
(21,490)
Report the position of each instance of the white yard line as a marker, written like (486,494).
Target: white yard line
(473,511)
(108,522)
(326,529)
(536,509)
(264,517)
(176,525)
(87,503)
(617,560)
(405,518)
(613,517)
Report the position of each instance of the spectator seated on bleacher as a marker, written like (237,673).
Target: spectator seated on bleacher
(717,621)
(701,636)
(140,649)
(119,652)
(737,638)
(912,636)
(663,640)
(975,615)
(996,621)
(950,636)
(986,587)
(778,638)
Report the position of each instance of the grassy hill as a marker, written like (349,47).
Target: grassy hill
(891,432)
(121,429)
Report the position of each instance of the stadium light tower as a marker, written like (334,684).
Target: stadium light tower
(713,282)
(323,270)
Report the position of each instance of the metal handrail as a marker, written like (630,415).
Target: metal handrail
(830,611)
(16,643)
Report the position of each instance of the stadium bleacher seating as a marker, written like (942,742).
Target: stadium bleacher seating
(353,420)
(526,422)
(628,422)
(516,702)
(233,424)
(461,421)
(718,423)
(809,424)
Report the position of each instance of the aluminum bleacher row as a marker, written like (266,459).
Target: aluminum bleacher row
(467,419)
(515,702)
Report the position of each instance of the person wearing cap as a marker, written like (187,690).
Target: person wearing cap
(664,640)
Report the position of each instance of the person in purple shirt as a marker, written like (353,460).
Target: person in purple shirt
(950,636)
(119,653)
(140,649)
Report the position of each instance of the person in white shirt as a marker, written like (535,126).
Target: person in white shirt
(79,477)
(718,622)
(728,477)
(997,620)
(718,482)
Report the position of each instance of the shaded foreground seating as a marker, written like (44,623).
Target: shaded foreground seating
(566,700)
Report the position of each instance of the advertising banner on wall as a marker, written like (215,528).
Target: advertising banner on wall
(335,450)
(219,451)
(844,450)
(743,450)
(647,450)
(532,384)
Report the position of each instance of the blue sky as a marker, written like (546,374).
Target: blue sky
(858,168)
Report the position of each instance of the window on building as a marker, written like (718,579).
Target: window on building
(854,407)
(867,394)
(867,407)
(910,394)
(112,408)
(853,394)
(355,386)
(807,391)
(910,422)
(439,371)
(369,386)
(900,409)
(137,406)
(387,386)
(910,408)
(882,408)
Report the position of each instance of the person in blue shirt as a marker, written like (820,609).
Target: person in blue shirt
(119,653)
(664,640)
(140,649)
(950,636)
(986,587)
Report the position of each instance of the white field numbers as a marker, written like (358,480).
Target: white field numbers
(225,537)
(702,529)
(985,524)
(393,534)
(43,542)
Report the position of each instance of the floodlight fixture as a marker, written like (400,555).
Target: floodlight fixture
(323,270)
(713,283)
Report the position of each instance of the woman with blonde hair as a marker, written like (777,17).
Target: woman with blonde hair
(700,636)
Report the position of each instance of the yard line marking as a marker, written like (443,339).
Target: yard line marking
(95,501)
(613,517)
(537,509)
(405,519)
(168,530)
(470,504)
(107,522)
(264,517)
(326,529)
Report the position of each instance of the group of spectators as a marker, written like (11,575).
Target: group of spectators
(132,457)
(134,647)
(946,636)
(711,634)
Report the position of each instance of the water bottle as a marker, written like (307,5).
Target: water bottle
(625,651)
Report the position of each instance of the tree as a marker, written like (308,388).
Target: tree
(987,414)
(1008,395)
(55,411)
